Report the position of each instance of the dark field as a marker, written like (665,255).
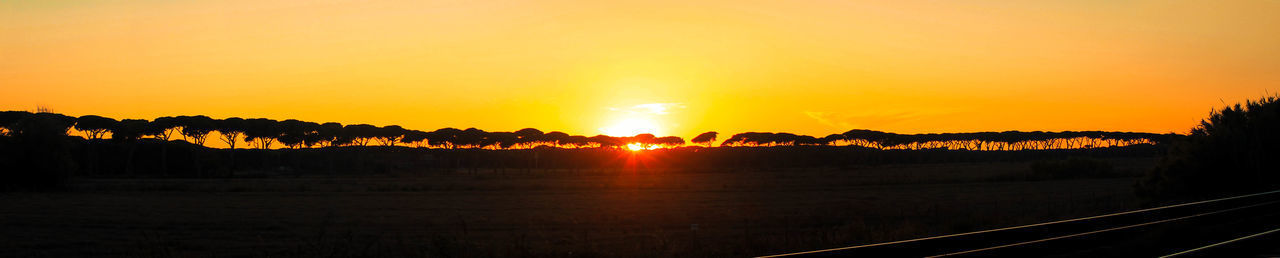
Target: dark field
(589,213)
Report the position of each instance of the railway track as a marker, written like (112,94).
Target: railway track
(1233,225)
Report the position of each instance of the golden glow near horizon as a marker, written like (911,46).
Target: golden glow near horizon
(635,147)
(662,67)
(640,119)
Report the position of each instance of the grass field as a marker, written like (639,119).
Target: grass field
(638,213)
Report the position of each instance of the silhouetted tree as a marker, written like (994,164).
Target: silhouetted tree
(501,140)
(39,156)
(605,141)
(196,128)
(470,138)
(231,129)
(669,141)
(360,134)
(706,138)
(330,134)
(415,137)
(42,124)
(832,139)
(390,135)
(644,139)
(129,131)
(9,120)
(295,133)
(444,137)
(577,141)
(162,128)
(261,132)
(807,140)
(529,137)
(556,138)
(94,127)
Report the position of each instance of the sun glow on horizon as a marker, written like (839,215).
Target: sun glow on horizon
(635,147)
(631,127)
(651,118)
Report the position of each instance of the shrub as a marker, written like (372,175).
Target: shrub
(1232,152)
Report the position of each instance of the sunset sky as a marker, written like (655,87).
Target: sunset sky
(668,67)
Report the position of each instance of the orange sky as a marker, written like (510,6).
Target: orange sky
(672,67)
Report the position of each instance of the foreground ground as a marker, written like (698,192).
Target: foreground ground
(640,213)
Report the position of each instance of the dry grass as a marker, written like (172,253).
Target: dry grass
(543,213)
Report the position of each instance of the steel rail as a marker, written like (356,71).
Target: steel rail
(1044,224)
(1223,243)
(1101,231)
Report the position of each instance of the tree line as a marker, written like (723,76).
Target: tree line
(980,141)
(40,150)
(263,133)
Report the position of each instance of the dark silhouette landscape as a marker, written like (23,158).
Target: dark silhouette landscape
(174,147)
(649,128)
(135,187)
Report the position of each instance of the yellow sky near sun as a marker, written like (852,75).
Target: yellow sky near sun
(583,67)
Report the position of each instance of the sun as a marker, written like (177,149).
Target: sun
(635,147)
(630,127)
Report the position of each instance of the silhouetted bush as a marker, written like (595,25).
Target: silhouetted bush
(1234,151)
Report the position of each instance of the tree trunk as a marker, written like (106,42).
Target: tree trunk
(128,161)
(231,172)
(164,158)
(195,159)
(91,159)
